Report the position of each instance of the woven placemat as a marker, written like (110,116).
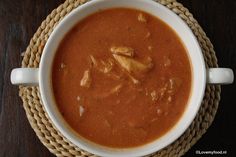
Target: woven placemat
(59,145)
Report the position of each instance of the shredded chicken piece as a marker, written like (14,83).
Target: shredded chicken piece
(63,65)
(116,89)
(167,61)
(134,80)
(148,62)
(154,120)
(78,98)
(159,111)
(148,35)
(122,50)
(169,100)
(162,91)
(86,80)
(142,18)
(132,65)
(106,67)
(174,84)
(154,95)
(114,75)
(81,111)
(101,65)
(94,61)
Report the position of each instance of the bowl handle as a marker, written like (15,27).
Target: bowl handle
(220,76)
(25,76)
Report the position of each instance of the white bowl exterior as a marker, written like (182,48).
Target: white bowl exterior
(188,39)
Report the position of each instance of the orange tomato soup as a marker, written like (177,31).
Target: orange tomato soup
(121,78)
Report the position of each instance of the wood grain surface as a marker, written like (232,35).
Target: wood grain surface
(19,19)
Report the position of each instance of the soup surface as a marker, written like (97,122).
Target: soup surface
(121,78)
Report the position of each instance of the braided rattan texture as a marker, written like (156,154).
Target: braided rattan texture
(59,145)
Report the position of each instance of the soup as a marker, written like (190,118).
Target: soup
(121,78)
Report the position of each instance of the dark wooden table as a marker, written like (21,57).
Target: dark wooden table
(19,19)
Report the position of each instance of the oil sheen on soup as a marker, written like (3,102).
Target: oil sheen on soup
(121,78)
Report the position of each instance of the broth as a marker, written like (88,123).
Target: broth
(121,78)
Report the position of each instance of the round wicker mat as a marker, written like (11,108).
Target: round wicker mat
(59,145)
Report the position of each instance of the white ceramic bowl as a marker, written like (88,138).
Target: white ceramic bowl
(201,75)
